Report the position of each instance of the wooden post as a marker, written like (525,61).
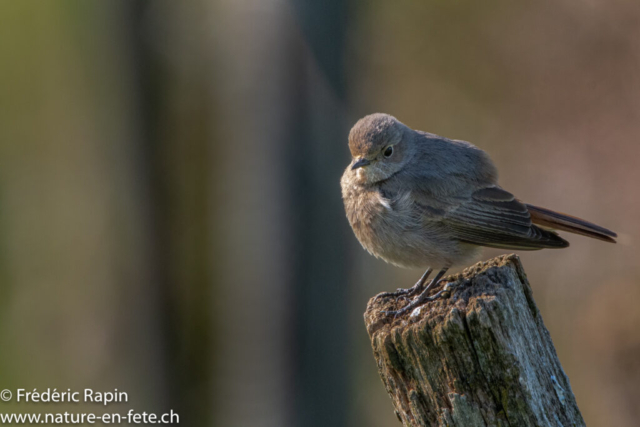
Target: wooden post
(480,357)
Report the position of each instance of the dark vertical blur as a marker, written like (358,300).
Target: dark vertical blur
(173,98)
(284,139)
(316,148)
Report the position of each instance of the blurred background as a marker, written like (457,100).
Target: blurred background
(170,214)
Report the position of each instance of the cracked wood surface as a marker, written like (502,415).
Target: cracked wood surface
(481,357)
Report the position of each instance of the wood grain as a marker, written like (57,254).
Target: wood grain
(479,357)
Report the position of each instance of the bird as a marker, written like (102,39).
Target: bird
(418,200)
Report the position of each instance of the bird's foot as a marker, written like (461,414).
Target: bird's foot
(401,292)
(423,298)
(406,293)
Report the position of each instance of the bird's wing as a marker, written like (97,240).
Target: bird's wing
(493,217)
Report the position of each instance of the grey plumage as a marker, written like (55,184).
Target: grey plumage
(416,199)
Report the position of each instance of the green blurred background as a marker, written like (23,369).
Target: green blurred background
(170,213)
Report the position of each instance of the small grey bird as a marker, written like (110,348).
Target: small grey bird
(416,199)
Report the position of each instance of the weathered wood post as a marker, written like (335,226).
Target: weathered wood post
(481,357)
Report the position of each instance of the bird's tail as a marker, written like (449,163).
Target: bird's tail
(559,221)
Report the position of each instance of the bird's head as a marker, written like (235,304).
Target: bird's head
(380,146)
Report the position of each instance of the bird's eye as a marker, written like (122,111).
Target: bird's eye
(388,151)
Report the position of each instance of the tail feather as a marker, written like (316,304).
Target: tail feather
(559,221)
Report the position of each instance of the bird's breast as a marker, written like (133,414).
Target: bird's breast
(387,227)
(400,231)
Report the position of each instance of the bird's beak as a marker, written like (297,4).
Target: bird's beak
(360,163)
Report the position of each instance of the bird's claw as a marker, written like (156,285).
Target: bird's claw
(400,292)
(418,302)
